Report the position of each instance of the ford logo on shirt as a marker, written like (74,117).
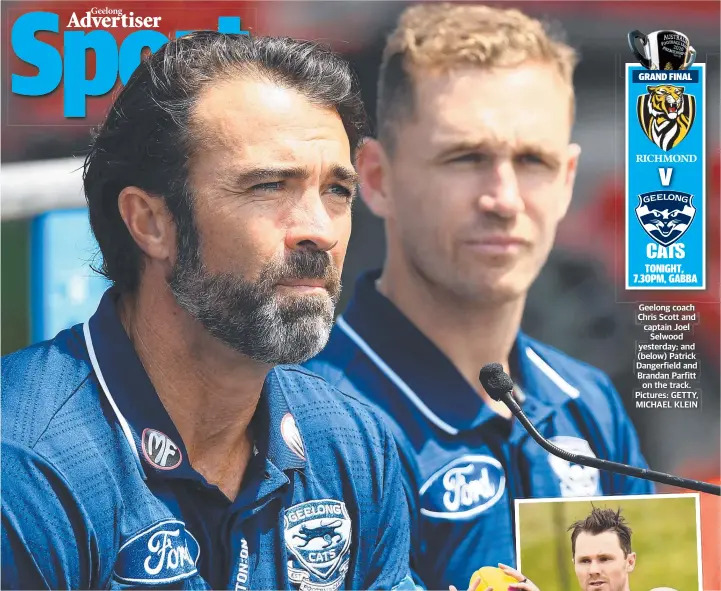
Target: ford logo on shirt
(164,553)
(465,487)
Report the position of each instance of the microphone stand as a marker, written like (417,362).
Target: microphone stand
(644,473)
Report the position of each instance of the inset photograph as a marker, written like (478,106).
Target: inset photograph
(625,543)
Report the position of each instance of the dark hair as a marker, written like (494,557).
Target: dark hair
(146,139)
(599,521)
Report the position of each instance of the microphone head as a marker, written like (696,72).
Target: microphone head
(495,381)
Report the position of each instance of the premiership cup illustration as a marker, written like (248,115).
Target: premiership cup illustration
(662,50)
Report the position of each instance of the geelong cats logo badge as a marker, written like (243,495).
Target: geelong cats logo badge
(318,537)
(665,215)
(575,480)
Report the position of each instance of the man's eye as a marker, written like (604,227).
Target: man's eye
(530,159)
(268,186)
(342,191)
(473,158)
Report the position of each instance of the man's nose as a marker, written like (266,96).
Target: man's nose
(311,225)
(503,196)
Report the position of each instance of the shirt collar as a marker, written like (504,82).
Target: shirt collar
(149,430)
(428,378)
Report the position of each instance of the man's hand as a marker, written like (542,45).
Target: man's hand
(523,582)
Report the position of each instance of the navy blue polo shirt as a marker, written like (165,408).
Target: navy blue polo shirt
(464,465)
(98,491)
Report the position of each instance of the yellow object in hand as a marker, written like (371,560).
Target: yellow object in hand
(492,577)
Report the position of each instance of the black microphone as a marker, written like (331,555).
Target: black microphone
(499,386)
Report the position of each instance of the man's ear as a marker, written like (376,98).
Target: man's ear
(631,562)
(373,169)
(572,158)
(148,221)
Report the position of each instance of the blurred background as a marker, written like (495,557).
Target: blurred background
(578,304)
(664,538)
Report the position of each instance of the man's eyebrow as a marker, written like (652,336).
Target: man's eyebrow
(446,148)
(599,555)
(254,176)
(259,175)
(342,173)
(450,148)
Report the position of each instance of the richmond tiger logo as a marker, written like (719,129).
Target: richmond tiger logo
(666,115)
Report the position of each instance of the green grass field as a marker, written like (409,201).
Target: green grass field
(664,539)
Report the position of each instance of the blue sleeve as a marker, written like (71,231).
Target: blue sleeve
(389,567)
(46,536)
(628,449)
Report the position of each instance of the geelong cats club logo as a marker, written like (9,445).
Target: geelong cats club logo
(318,537)
(575,480)
(160,451)
(665,215)
(666,115)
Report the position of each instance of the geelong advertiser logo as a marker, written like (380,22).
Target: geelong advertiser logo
(112,18)
(117,40)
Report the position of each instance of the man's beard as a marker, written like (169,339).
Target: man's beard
(252,317)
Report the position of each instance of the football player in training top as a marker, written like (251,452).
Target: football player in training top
(159,444)
(601,548)
(472,171)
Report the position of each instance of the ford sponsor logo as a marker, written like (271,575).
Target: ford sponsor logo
(163,553)
(465,487)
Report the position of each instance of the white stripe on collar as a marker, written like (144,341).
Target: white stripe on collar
(562,384)
(565,387)
(99,374)
(394,377)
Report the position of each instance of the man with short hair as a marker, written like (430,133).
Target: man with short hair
(472,171)
(164,442)
(601,549)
